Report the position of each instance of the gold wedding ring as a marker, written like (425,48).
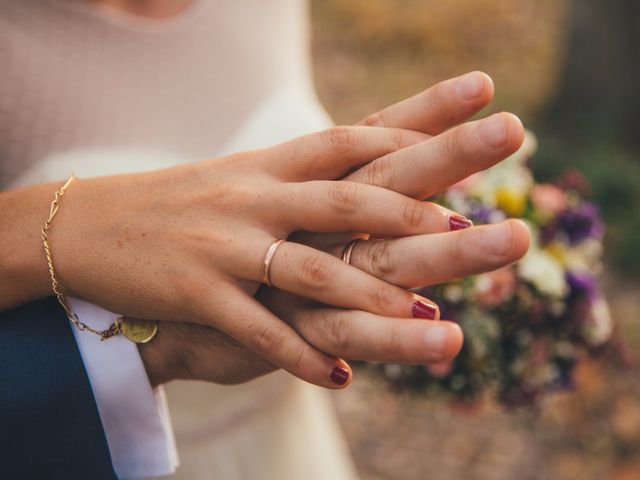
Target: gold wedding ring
(348,250)
(266,263)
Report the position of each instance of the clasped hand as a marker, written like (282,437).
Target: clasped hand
(185,245)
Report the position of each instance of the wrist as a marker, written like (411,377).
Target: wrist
(74,248)
(24,275)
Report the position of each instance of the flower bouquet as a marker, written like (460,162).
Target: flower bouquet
(527,325)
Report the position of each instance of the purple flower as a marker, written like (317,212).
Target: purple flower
(581,222)
(482,215)
(548,232)
(583,285)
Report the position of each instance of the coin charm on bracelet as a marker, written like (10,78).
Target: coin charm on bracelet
(138,331)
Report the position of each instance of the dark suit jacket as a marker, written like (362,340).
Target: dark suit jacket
(49,423)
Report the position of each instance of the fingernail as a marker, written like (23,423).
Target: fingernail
(458,222)
(436,341)
(493,131)
(470,86)
(496,239)
(422,309)
(339,375)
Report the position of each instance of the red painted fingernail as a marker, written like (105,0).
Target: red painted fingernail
(339,375)
(458,222)
(420,309)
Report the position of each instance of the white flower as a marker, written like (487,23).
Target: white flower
(544,272)
(584,257)
(601,325)
(458,201)
(528,147)
(497,216)
(453,293)
(393,371)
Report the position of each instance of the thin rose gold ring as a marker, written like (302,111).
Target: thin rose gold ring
(348,250)
(265,273)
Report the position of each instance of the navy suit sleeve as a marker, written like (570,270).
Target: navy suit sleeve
(49,423)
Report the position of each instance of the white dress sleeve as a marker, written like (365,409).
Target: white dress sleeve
(134,416)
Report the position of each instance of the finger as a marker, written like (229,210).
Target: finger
(326,206)
(358,335)
(250,323)
(421,260)
(438,108)
(333,153)
(442,220)
(197,352)
(431,166)
(319,276)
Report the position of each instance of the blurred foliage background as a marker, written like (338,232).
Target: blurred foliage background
(570,70)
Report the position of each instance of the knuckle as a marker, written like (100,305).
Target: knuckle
(344,197)
(380,296)
(447,145)
(379,174)
(374,120)
(413,213)
(268,339)
(454,251)
(296,361)
(381,262)
(392,346)
(338,331)
(316,272)
(341,139)
(399,139)
(463,142)
(301,321)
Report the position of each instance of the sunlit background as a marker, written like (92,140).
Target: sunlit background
(569,69)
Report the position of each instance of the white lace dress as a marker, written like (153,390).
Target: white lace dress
(94,91)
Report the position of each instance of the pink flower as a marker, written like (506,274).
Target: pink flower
(496,287)
(439,370)
(573,179)
(548,198)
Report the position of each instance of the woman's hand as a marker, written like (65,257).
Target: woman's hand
(410,262)
(187,243)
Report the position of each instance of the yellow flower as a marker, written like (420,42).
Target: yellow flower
(558,251)
(511,201)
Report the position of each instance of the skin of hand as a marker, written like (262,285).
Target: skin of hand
(187,243)
(448,152)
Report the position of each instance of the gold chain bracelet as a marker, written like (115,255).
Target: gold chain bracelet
(138,331)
